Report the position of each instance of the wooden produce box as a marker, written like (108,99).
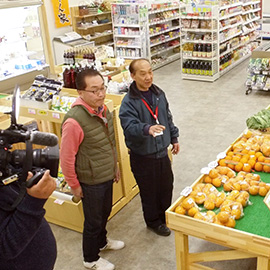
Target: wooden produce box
(61,210)
(113,63)
(121,76)
(242,244)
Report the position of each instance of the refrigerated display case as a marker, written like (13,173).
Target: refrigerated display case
(22,51)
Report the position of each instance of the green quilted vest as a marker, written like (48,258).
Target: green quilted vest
(96,158)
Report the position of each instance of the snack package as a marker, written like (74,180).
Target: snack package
(186,23)
(195,24)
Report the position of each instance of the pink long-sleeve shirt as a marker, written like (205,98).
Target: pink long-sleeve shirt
(72,137)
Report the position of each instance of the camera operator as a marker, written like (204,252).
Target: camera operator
(26,240)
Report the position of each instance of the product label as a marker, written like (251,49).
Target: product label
(31,111)
(58,201)
(186,191)
(56,115)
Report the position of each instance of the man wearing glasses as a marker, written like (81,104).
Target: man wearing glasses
(89,164)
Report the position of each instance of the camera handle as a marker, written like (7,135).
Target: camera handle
(34,180)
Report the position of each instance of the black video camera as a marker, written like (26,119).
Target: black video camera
(14,165)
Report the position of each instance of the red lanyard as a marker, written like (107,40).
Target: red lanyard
(155,115)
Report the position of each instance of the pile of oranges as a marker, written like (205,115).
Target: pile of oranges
(206,195)
(249,153)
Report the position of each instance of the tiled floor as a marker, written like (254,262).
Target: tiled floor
(210,116)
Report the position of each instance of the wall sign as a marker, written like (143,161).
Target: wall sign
(61,13)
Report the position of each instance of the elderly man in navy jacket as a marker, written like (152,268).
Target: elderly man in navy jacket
(149,130)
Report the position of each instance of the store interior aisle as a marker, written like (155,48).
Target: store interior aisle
(210,117)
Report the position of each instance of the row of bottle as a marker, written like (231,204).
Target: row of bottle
(75,55)
(198,68)
(202,50)
(70,73)
(225,60)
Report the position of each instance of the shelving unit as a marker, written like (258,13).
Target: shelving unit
(129,29)
(147,30)
(163,33)
(95,27)
(233,36)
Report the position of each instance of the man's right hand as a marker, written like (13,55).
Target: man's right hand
(77,192)
(155,129)
(44,188)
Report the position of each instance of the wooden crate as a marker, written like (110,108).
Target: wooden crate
(242,244)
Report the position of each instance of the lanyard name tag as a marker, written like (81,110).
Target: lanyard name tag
(155,116)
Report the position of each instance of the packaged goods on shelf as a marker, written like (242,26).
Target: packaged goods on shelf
(230,28)
(144,30)
(258,72)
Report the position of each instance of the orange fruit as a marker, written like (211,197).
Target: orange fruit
(227,186)
(228,158)
(254,190)
(238,167)
(236,186)
(180,210)
(262,191)
(222,162)
(256,177)
(236,158)
(258,167)
(258,154)
(199,216)
(231,166)
(222,170)
(188,203)
(216,182)
(251,153)
(244,186)
(199,187)
(266,168)
(212,197)
(236,213)
(247,134)
(192,211)
(242,201)
(209,205)
(244,151)
(230,153)
(252,162)
(230,223)
(219,201)
(225,208)
(223,216)
(200,198)
(213,173)
(207,179)
(235,193)
(244,160)
(246,167)
(230,173)
(261,158)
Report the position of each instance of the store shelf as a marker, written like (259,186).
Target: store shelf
(230,37)
(128,46)
(230,15)
(94,26)
(198,41)
(250,11)
(252,20)
(167,61)
(105,29)
(162,10)
(164,31)
(251,30)
(164,50)
(126,36)
(127,25)
(200,58)
(93,15)
(200,77)
(197,17)
(230,6)
(230,26)
(164,41)
(163,21)
(251,3)
(197,30)
(222,72)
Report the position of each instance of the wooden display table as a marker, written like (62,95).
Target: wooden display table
(242,244)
